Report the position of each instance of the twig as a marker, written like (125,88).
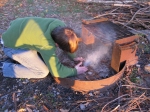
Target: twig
(114,10)
(92,100)
(115,108)
(113,101)
(131,105)
(135,86)
(142,24)
(136,13)
(14,100)
(119,93)
(106,14)
(45,108)
(134,98)
(138,106)
(130,28)
(122,5)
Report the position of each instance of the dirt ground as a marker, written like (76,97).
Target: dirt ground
(131,93)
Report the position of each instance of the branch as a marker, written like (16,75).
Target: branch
(114,100)
(135,86)
(137,13)
(131,28)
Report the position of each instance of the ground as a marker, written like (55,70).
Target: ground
(45,95)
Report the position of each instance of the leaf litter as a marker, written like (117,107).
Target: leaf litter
(131,93)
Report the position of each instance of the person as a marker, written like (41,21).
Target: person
(28,37)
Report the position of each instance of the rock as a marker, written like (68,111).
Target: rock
(138,66)
(82,106)
(91,94)
(96,92)
(17,99)
(69,98)
(147,68)
(26,81)
(6,110)
(90,73)
(101,95)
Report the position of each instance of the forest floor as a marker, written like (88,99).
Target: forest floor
(131,93)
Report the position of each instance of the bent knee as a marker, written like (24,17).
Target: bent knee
(43,73)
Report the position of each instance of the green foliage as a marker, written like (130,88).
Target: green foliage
(133,75)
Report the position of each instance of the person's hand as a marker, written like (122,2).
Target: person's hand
(80,69)
(80,59)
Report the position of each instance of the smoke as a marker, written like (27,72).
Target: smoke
(105,36)
(93,58)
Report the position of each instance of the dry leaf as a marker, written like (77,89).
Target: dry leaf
(28,109)
(64,110)
(31,106)
(21,110)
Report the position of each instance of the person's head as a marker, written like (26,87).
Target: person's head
(66,39)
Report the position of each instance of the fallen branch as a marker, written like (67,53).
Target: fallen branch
(132,104)
(131,28)
(113,101)
(136,13)
(132,17)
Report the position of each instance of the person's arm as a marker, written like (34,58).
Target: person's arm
(73,57)
(54,65)
(59,70)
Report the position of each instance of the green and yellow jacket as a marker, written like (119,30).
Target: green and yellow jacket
(35,33)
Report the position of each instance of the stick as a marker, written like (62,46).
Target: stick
(122,5)
(114,100)
(14,100)
(131,105)
(137,13)
(115,108)
(142,24)
(130,28)
(108,14)
(135,86)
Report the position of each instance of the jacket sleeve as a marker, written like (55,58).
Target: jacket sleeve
(71,55)
(54,65)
